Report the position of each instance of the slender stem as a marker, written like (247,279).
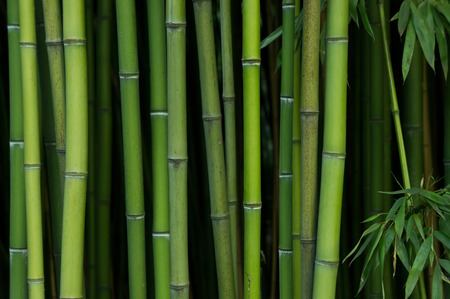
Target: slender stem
(333,155)
(18,234)
(177,146)
(285,158)
(32,160)
(131,122)
(309,111)
(76,149)
(103,159)
(296,175)
(228,97)
(158,114)
(251,61)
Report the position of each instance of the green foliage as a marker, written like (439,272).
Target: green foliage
(412,243)
(429,21)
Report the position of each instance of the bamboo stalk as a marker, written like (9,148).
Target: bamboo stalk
(251,61)
(32,160)
(309,111)
(76,149)
(296,175)
(103,159)
(131,123)
(17,229)
(228,98)
(285,158)
(177,146)
(158,114)
(212,122)
(333,156)
(91,185)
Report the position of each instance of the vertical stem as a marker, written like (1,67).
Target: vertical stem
(296,175)
(212,122)
(228,97)
(333,156)
(91,186)
(76,149)
(309,111)
(158,114)
(32,160)
(131,122)
(251,61)
(285,158)
(103,159)
(177,146)
(17,232)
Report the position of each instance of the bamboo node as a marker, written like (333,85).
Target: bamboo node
(334,155)
(159,113)
(165,235)
(282,251)
(135,217)
(341,39)
(288,99)
(74,42)
(35,280)
(251,62)
(18,250)
(27,45)
(220,217)
(232,203)
(307,241)
(288,5)
(13,27)
(134,75)
(54,43)
(252,206)
(285,175)
(76,175)
(179,287)
(176,25)
(331,264)
(16,143)
(309,113)
(212,118)
(228,98)
(177,161)
(32,166)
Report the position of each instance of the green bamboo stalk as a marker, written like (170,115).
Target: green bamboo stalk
(412,117)
(309,111)
(376,129)
(32,160)
(158,114)
(103,159)
(177,146)
(17,229)
(251,61)
(131,123)
(212,123)
(91,185)
(296,173)
(76,149)
(285,158)
(228,97)
(333,156)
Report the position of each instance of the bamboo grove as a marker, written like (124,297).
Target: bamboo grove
(225,149)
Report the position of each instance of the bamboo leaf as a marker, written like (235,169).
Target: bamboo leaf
(367,269)
(389,238)
(435,207)
(444,226)
(409,227)
(400,219)
(443,238)
(353,12)
(364,17)
(372,228)
(418,265)
(414,239)
(419,225)
(411,191)
(373,217)
(271,37)
(434,197)
(403,254)
(444,9)
(374,245)
(426,38)
(393,210)
(363,247)
(408,49)
(403,16)
(437,283)
(445,264)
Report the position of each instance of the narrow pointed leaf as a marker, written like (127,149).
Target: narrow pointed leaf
(419,225)
(434,197)
(403,254)
(403,16)
(418,265)
(445,264)
(353,12)
(408,50)
(372,228)
(409,227)
(437,283)
(393,210)
(365,274)
(364,17)
(443,238)
(400,219)
(411,191)
(271,37)
(426,38)
(373,217)
(415,239)
(363,246)
(444,8)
